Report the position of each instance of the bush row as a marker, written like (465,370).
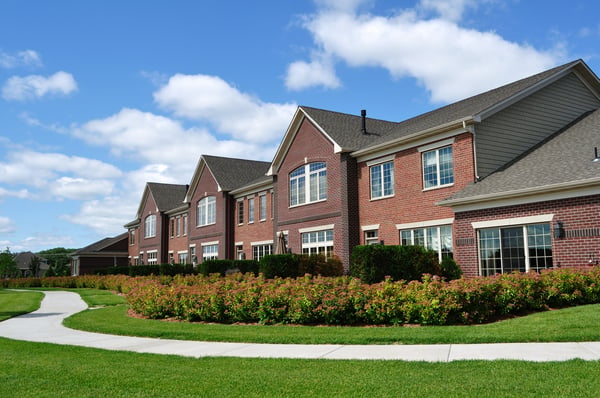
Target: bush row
(348,301)
(374,263)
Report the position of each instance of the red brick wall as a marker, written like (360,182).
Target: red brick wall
(151,243)
(178,243)
(309,146)
(257,231)
(580,218)
(410,202)
(133,249)
(207,186)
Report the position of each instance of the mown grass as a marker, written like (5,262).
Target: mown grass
(14,303)
(569,324)
(46,370)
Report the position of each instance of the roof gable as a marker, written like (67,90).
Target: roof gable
(114,244)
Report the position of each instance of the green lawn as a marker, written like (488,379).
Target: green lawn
(14,303)
(569,324)
(47,370)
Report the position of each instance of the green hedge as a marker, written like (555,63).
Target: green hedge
(375,263)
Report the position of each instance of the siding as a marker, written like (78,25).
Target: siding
(512,131)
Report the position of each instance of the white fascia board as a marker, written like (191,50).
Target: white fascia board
(513,221)
(531,195)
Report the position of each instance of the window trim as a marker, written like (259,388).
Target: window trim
(262,210)
(251,209)
(306,177)
(436,150)
(426,227)
(240,211)
(380,166)
(203,206)
(150,231)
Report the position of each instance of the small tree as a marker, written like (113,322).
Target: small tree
(8,265)
(34,266)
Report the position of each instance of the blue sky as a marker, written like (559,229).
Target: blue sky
(99,97)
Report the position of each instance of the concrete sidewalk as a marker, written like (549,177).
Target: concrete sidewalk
(45,325)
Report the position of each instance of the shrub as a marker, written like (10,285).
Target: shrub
(208,267)
(450,270)
(246,266)
(282,265)
(319,265)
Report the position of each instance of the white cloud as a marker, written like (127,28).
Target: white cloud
(450,61)
(80,188)
(318,72)
(20,194)
(210,98)
(36,86)
(21,58)
(6,226)
(106,216)
(38,242)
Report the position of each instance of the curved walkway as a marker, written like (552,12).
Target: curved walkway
(45,325)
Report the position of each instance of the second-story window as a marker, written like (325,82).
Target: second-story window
(250,210)
(207,211)
(382,180)
(150,226)
(438,168)
(315,190)
(262,210)
(240,208)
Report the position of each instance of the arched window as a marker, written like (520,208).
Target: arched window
(207,211)
(315,190)
(150,226)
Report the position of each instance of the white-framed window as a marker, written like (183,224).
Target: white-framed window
(382,180)
(372,237)
(240,211)
(185,224)
(132,236)
(259,251)
(152,257)
(210,252)
(438,168)
(239,252)
(437,238)
(172,227)
(251,210)
(262,207)
(521,248)
(318,242)
(193,255)
(316,190)
(207,211)
(178,225)
(150,226)
(183,257)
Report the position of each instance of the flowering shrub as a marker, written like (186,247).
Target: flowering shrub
(339,300)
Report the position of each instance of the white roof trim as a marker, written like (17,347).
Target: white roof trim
(424,224)
(513,221)
(317,228)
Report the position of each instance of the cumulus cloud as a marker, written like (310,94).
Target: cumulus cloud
(21,58)
(20,194)
(105,216)
(35,86)
(450,61)
(80,188)
(232,112)
(6,225)
(317,72)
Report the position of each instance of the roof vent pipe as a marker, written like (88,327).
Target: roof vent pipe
(596,158)
(363,114)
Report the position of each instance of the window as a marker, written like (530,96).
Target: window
(371,237)
(132,236)
(210,252)
(152,257)
(207,211)
(317,184)
(259,251)
(517,248)
(172,226)
(250,210)
(262,207)
(382,180)
(438,239)
(185,224)
(150,226)
(183,257)
(178,226)
(318,242)
(239,252)
(240,208)
(438,168)
(193,255)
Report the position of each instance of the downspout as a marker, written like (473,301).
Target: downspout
(471,129)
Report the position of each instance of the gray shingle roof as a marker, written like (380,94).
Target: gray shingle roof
(563,159)
(345,129)
(101,245)
(167,196)
(232,173)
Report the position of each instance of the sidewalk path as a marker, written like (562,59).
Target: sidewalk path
(45,325)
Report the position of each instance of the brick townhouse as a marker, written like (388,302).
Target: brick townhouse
(501,181)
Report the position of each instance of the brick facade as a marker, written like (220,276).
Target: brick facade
(246,233)
(580,218)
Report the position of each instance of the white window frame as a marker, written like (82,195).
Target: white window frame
(150,226)
(152,257)
(206,211)
(251,209)
(438,178)
(376,169)
(240,211)
(262,207)
(210,251)
(261,250)
(301,192)
(428,232)
(317,241)
(371,237)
